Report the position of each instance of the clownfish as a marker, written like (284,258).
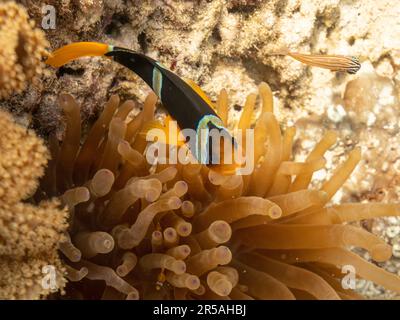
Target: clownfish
(183,99)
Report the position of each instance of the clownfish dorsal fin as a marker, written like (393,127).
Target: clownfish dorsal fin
(199,91)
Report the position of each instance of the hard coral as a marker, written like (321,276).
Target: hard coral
(185,232)
(21,49)
(29,235)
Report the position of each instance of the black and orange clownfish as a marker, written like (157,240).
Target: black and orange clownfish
(184,100)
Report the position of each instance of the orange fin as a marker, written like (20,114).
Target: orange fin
(168,119)
(200,92)
(77,50)
(156,131)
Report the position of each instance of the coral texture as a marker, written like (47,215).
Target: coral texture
(29,234)
(22,46)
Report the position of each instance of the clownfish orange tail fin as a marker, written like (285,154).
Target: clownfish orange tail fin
(77,50)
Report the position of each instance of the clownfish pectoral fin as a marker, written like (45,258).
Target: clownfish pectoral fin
(156,131)
(168,119)
(77,50)
(200,92)
(228,165)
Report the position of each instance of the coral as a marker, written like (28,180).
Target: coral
(371,109)
(148,231)
(31,230)
(23,279)
(22,47)
(21,164)
(29,235)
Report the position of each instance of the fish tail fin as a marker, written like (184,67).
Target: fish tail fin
(76,50)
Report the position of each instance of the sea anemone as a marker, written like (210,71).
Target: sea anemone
(165,231)
(22,47)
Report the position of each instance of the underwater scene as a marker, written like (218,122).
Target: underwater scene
(199,150)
